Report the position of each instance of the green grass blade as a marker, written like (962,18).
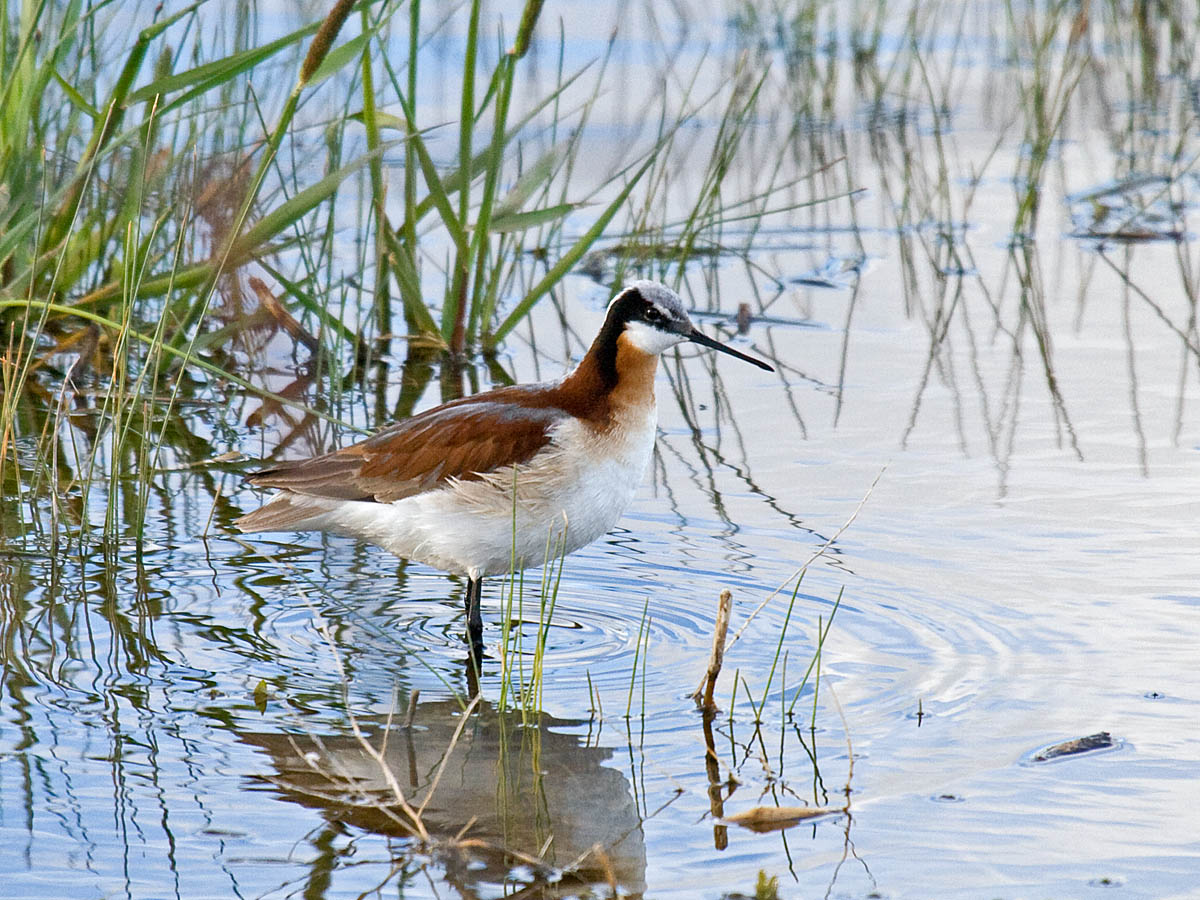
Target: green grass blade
(340,56)
(451,180)
(521,221)
(380,298)
(454,309)
(204,78)
(570,258)
(382,120)
(77,98)
(438,193)
(410,287)
(530,181)
(295,208)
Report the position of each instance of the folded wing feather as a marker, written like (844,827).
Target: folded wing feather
(464,439)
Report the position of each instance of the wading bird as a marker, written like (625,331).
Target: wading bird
(439,487)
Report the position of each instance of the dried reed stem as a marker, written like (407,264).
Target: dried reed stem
(717,657)
(820,551)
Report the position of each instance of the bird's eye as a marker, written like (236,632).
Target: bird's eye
(653,315)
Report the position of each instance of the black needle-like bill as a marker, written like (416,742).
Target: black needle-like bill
(698,337)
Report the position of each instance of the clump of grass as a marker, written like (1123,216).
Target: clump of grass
(766,887)
(99,258)
(782,812)
(641,652)
(519,689)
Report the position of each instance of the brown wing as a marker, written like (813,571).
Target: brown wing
(463,439)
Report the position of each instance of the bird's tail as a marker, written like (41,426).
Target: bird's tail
(287,512)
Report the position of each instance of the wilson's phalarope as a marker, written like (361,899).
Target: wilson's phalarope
(438,487)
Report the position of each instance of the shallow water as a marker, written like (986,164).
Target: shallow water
(1023,572)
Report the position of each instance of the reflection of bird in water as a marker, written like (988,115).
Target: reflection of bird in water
(524,792)
(439,487)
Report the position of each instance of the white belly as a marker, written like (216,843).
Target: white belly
(569,494)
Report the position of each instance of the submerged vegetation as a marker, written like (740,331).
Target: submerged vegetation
(227,229)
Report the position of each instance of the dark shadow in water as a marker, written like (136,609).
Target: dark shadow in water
(510,803)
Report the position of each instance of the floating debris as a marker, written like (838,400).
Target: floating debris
(721,317)
(775,818)
(838,273)
(744,317)
(600,264)
(1138,208)
(1101,740)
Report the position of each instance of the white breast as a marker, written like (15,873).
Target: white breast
(570,493)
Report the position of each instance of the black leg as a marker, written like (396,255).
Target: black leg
(471,666)
(475,617)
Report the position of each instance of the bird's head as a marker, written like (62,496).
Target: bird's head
(654,319)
